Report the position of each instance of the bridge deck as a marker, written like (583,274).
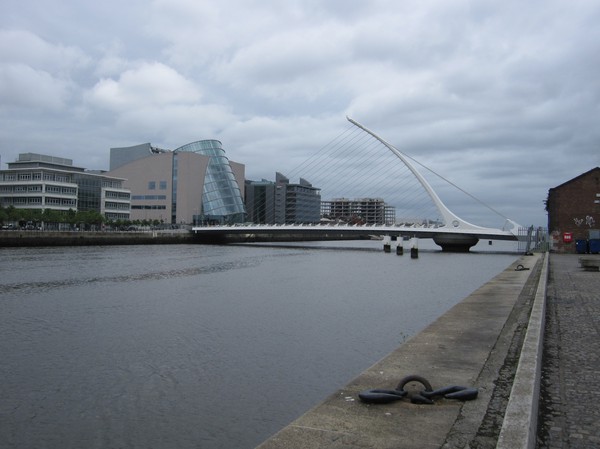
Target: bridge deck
(349,232)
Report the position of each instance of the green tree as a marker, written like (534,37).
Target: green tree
(13,213)
(53,217)
(71,217)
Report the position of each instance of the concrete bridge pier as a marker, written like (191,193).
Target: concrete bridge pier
(399,248)
(414,248)
(387,243)
(457,243)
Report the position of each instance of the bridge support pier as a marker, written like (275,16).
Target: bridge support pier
(457,243)
(414,248)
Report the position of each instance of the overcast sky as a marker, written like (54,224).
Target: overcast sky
(502,98)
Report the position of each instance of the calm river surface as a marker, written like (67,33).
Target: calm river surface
(192,346)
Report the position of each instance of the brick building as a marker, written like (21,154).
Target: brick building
(574,211)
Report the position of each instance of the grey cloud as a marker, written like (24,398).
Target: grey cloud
(150,84)
(498,97)
(27,48)
(23,87)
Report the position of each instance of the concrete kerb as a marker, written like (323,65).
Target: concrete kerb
(519,428)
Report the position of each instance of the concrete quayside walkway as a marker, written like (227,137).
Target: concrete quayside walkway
(570,385)
(478,343)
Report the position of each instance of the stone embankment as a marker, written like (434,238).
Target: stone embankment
(49,238)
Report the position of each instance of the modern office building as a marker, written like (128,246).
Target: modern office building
(372,211)
(196,183)
(37,181)
(260,201)
(296,203)
(282,202)
(574,212)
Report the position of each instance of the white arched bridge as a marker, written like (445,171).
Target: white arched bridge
(449,231)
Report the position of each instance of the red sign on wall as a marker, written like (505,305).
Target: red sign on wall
(567,237)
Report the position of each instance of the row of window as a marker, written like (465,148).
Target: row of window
(65,202)
(117,206)
(19,201)
(35,176)
(38,188)
(60,202)
(22,201)
(148,197)
(61,190)
(162,185)
(112,184)
(149,207)
(117,195)
(116,216)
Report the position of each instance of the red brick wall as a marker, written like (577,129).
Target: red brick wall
(574,207)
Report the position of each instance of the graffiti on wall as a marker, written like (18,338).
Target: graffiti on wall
(588,221)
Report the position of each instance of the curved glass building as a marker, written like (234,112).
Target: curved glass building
(221,195)
(196,183)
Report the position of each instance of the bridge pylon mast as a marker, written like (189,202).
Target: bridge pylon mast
(451,220)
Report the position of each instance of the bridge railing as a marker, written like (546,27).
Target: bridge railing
(324,225)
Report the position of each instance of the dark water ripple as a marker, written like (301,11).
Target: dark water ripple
(156,275)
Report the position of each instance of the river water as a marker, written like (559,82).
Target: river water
(193,346)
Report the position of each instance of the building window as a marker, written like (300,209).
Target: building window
(149,197)
(152,185)
(113,205)
(163,185)
(148,207)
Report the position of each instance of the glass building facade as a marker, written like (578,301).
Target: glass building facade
(260,201)
(296,203)
(282,202)
(221,197)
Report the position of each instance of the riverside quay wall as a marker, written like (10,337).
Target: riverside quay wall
(487,341)
(25,238)
(86,238)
